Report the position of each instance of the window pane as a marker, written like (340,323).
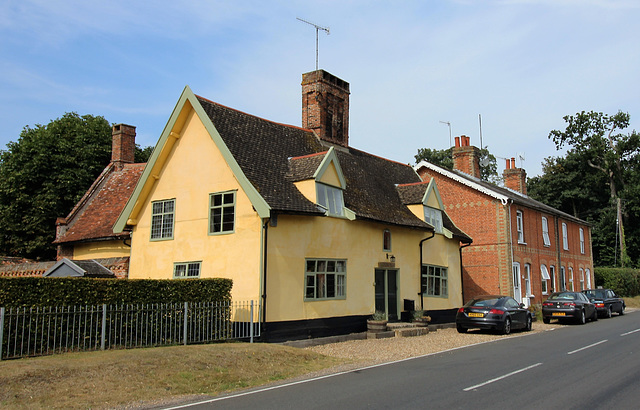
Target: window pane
(340,266)
(320,286)
(322,266)
(311,266)
(331,286)
(331,266)
(340,285)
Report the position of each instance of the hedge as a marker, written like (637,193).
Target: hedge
(37,291)
(623,281)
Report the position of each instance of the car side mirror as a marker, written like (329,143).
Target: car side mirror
(521,305)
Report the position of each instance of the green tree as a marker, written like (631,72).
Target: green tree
(444,158)
(598,138)
(44,174)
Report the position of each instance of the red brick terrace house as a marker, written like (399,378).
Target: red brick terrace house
(522,247)
(87,232)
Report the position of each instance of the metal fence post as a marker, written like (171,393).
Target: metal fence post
(186,304)
(104,327)
(1,330)
(251,322)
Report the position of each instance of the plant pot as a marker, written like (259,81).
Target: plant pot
(376,326)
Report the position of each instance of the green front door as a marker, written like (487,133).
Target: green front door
(387,292)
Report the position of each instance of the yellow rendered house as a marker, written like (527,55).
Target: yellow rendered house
(320,233)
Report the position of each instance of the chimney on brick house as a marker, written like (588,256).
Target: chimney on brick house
(466,158)
(325,106)
(515,178)
(123,145)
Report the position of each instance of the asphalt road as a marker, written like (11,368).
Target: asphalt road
(593,366)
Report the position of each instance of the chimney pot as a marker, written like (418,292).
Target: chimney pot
(457,142)
(513,163)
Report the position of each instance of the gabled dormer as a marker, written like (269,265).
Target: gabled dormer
(320,179)
(424,201)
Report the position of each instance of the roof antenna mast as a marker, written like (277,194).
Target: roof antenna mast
(318,28)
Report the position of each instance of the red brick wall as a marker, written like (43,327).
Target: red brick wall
(123,144)
(325,106)
(487,262)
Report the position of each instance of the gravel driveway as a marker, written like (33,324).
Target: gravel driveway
(372,351)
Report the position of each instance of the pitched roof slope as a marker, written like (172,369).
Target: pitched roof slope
(269,155)
(96,213)
(499,192)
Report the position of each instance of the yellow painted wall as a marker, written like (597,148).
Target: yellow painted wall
(194,170)
(360,243)
(100,249)
(330,176)
(308,189)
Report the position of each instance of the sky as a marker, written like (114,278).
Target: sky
(506,70)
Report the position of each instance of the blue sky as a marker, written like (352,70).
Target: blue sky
(520,64)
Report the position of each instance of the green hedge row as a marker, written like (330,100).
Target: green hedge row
(89,291)
(623,281)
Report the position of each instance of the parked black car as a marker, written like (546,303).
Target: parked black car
(501,313)
(562,305)
(606,301)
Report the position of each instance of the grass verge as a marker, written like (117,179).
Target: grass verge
(633,302)
(117,378)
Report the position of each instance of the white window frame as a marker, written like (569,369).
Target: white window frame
(582,279)
(187,270)
(330,198)
(570,287)
(563,279)
(162,219)
(545,232)
(325,279)
(588,273)
(433,216)
(527,279)
(544,273)
(552,273)
(435,281)
(222,215)
(582,241)
(520,226)
(565,237)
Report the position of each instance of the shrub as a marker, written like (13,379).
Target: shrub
(623,281)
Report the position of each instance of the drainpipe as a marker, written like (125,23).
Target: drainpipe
(420,270)
(461,274)
(265,231)
(559,272)
(509,202)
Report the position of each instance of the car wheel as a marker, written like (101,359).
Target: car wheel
(594,317)
(506,329)
(582,318)
(546,320)
(609,312)
(461,329)
(528,327)
(621,311)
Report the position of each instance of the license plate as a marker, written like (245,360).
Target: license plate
(476,314)
(558,314)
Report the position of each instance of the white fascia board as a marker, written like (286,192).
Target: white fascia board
(462,180)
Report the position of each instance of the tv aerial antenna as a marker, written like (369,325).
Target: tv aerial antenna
(318,28)
(447,123)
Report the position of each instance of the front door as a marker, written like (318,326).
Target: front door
(386,289)
(516,283)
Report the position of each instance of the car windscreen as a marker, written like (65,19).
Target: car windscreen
(483,302)
(563,296)
(595,294)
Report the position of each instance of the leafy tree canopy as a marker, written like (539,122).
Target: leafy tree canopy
(43,175)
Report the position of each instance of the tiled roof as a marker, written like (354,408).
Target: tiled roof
(84,268)
(25,269)
(273,156)
(96,213)
(499,192)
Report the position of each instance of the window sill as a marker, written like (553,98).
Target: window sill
(522,243)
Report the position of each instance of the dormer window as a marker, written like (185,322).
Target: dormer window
(433,217)
(330,198)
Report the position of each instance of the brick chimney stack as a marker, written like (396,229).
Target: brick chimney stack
(515,178)
(325,106)
(123,145)
(466,158)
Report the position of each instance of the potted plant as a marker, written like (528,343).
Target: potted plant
(420,318)
(377,322)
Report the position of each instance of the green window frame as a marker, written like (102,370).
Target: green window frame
(186,270)
(330,198)
(433,217)
(162,219)
(222,212)
(325,279)
(435,281)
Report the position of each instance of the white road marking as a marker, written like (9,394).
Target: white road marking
(628,333)
(502,377)
(587,347)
